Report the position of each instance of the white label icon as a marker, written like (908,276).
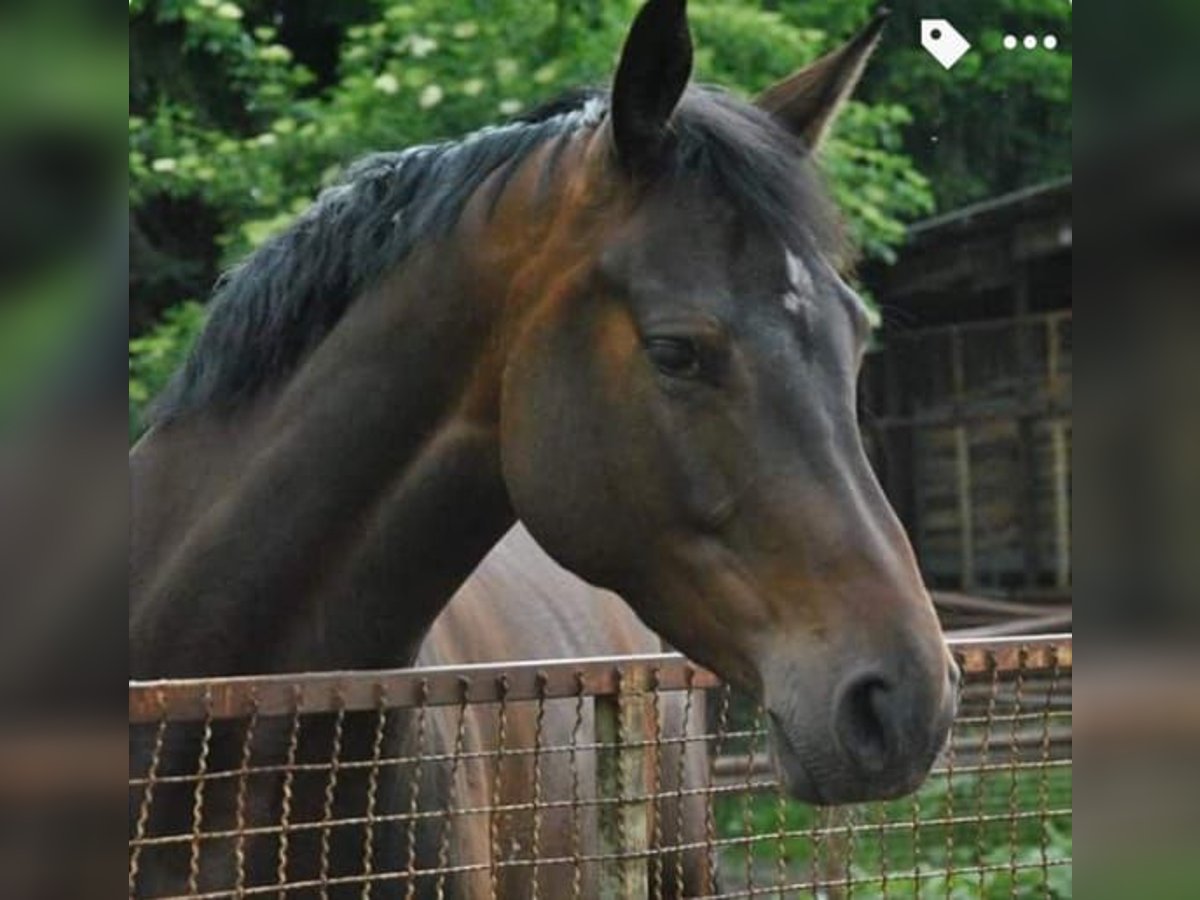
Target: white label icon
(943,41)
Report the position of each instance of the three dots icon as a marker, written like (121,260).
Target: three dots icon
(1030,42)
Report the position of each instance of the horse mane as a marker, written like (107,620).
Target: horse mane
(268,312)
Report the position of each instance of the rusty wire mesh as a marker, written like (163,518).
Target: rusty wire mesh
(640,776)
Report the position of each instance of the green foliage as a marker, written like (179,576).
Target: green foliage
(154,356)
(874,182)
(985,836)
(425,70)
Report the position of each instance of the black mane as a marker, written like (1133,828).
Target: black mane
(268,312)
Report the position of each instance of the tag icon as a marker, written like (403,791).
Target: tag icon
(943,42)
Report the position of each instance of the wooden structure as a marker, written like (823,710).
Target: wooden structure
(968,394)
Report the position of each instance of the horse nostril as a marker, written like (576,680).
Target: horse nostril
(864,721)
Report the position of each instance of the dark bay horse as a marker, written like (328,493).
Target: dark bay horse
(520,605)
(517,605)
(620,321)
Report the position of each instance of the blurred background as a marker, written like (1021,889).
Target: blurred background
(63,437)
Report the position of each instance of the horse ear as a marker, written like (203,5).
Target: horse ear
(808,102)
(656,63)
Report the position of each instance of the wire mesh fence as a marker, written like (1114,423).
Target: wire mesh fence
(619,777)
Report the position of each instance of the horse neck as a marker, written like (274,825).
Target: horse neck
(326,526)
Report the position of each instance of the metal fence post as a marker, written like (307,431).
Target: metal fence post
(621,774)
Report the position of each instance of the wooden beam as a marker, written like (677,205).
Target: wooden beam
(962,468)
(1062,502)
(621,729)
(1026,460)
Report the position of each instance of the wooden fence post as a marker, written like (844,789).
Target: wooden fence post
(621,776)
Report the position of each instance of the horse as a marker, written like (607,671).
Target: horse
(622,321)
(517,605)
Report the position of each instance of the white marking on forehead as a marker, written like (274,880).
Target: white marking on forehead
(801,283)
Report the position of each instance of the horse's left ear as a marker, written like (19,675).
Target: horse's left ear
(808,102)
(656,63)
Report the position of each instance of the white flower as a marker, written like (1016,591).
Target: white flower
(387,83)
(166,164)
(473,87)
(229,11)
(275,53)
(431,96)
(466,29)
(422,46)
(507,67)
(510,107)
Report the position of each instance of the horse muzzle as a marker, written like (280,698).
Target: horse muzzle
(872,735)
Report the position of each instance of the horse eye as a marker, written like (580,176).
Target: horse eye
(676,357)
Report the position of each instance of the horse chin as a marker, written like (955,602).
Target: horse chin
(796,777)
(809,778)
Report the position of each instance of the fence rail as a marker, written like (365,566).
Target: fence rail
(607,777)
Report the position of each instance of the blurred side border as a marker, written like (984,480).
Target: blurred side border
(1137,456)
(63,439)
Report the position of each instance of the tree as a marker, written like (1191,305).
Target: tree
(999,120)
